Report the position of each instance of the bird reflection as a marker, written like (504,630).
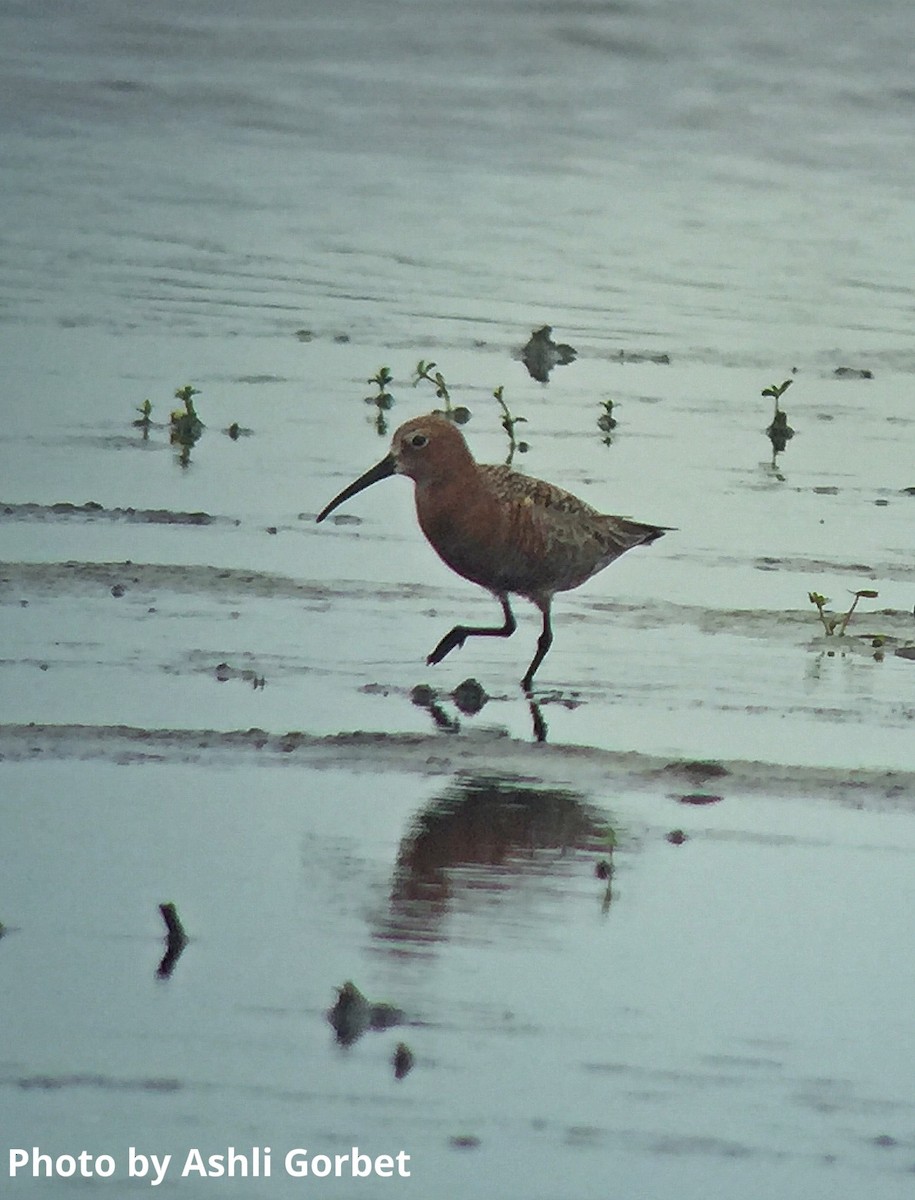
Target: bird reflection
(478,839)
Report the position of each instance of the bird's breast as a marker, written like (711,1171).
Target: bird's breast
(492,540)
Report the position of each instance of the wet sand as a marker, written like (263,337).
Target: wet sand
(475,752)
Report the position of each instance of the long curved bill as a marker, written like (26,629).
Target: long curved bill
(382,470)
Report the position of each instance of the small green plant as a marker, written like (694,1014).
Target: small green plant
(606,422)
(186,394)
(145,419)
(185,425)
(381,398)
(779,432)
(188,419)
(834,624)
(457,413)
(508,424)
(777,390)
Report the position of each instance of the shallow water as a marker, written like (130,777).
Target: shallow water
(206,698)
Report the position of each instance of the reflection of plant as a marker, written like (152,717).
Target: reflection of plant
(779,432)
(838,624)
(508,424)
(186,426)
(382,398)
(458,414)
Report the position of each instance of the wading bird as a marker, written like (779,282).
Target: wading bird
(505,531)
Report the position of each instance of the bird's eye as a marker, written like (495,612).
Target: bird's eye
(419,440)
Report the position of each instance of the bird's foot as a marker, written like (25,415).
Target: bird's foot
(451,641)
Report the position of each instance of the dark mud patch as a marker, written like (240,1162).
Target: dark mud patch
(57,578)
(92,511)
(56,1083)
(887,569)
(853,373)
(698,771)
(769,624)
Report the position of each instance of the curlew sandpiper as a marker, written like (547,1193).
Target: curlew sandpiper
(507,532)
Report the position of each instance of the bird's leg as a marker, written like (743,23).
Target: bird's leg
(460,633)
(543,644)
